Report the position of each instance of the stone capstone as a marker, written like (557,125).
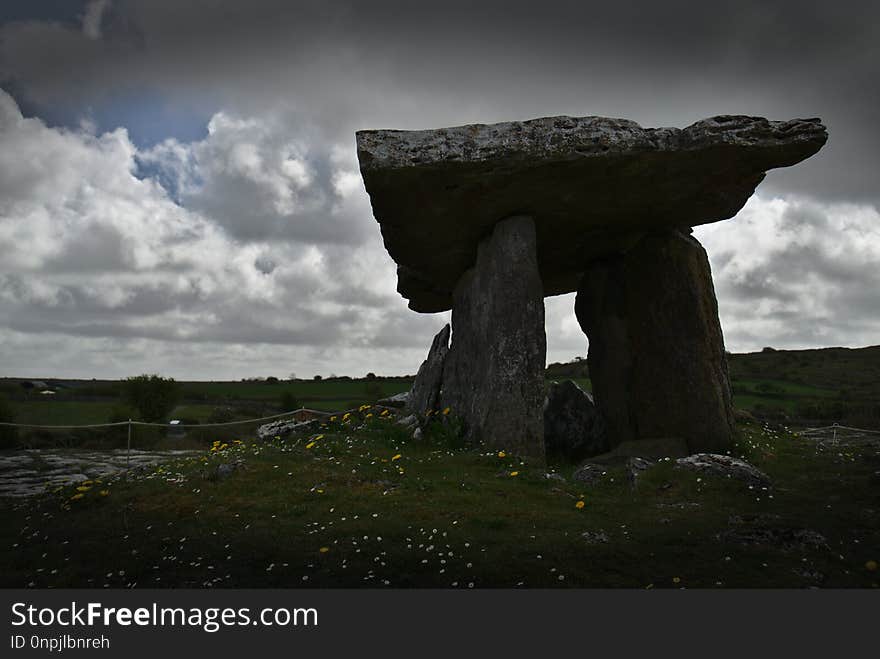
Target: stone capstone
(656,354)
(593,186)
(425,393)
(493,378)
(572,425)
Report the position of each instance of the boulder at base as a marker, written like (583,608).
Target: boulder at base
(572,426)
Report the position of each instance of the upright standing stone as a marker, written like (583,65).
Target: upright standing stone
(656,352)
(425,393)
(494,374)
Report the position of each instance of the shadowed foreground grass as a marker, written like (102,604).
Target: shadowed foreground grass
(357,504)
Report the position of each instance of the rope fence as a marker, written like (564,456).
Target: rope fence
(130,424)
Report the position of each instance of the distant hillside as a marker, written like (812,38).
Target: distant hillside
(852,371)
(819,386)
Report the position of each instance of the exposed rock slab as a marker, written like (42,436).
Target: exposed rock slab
(572,425)
(493,379)
(425,393)
(656,354)
(725,466)
(592,184)
(283,428)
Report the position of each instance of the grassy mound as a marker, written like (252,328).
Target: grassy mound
(357,503)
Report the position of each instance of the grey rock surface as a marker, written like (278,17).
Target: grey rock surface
(283,428)
(592,184)
(589,473)
(635,467)
(400,400)
(425,393)
(493,379)
(725,466)
(656,353)
(572,425)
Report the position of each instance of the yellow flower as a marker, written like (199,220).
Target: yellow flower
(514,473)
(87,482)
(368,415)
(446,410)
(320,491)
(502,454)
(77,496)
(871,566)
(319,437)
(82,488)
(310,444)
(676,580)
(324,550)
(104,493)
(396,457)
(384,413)
(333,418)
(346,416)
(579,505)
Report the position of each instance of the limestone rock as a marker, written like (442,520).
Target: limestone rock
(409,421)
(425,393)
(283,428)
(656,354)
(726,466)
(493,379)
(572,426)
(635,467)
(397,400)
(592,184)
(589,473)
(595,537)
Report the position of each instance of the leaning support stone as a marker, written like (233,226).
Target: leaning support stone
(656,354)
(425,393)
(494,374)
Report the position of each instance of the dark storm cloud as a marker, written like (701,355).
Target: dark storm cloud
(230,211)
(382,64)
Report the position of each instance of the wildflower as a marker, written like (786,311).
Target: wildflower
(871,566)
(104,493)
(369,415)
(319,437)
(396,457)
(579,505)
(346,416)
(332,418)
(514,473)
(324,550)
(502,454)
(77,496)
(384,413)
(446,411)
(310,444)
(676,580)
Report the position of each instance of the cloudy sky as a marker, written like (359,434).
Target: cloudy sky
(179,190)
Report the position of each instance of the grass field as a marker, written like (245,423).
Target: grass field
(358,504)
(813,386)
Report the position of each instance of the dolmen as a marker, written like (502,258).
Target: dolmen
(488,220)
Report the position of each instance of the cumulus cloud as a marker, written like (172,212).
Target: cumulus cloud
(182,186)
(93,248)
(795,272)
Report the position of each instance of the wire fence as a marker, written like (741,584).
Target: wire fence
(836,434)
(161,436)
